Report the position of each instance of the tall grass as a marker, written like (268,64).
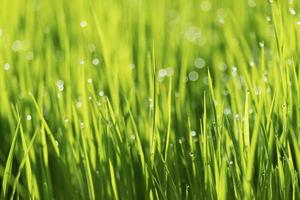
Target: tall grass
(149,99)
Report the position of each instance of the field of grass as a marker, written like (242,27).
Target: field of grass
(149,99)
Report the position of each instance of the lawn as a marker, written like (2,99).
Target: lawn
(149,99)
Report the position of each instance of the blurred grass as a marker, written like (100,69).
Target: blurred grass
(140,99)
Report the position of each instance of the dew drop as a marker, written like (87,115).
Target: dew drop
(292,11)
(265,77)
(252,3)
(199,63)
(6,66)
(60,85)
(234,71)
(131,66)
(81,125)
(192,155)
(66,120)
(261,44)
(205,6)
(215,102)
(257,91)
(132,137)
(29,56)
(96,61)
(83,24)
(90,81)
(251,110)
(78,104)
(252,63)
(150,103)
(193,76)
(81,61)
(17,45)
(28,117)
(101,94)
(170,71)
(193,133)
(227,111)
(91,47)
(162,73)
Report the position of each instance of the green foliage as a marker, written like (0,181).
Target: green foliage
(149,99)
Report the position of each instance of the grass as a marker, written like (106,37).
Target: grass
(149,99)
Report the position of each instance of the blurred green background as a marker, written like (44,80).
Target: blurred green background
(149,99)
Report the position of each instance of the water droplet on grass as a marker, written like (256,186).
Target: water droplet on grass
(81,61)
(265,77)
(193,133)
(251,110)
(192,155)
(6,66)
(252,3)
(91,47)
(28,117)
(66,120)
(60,85)
(215,102)
(29,56)
(81,125)
(234,71)
(96,61)
(261,44)
(90,81)
(132,137)
(257,91)
(162,73)
(205,6)
(227,111)
(150,101)
(199,63)
(292,11)
(131,66)
(193,76)
(17,45)
(78,104)
(101,94)
(83,24)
